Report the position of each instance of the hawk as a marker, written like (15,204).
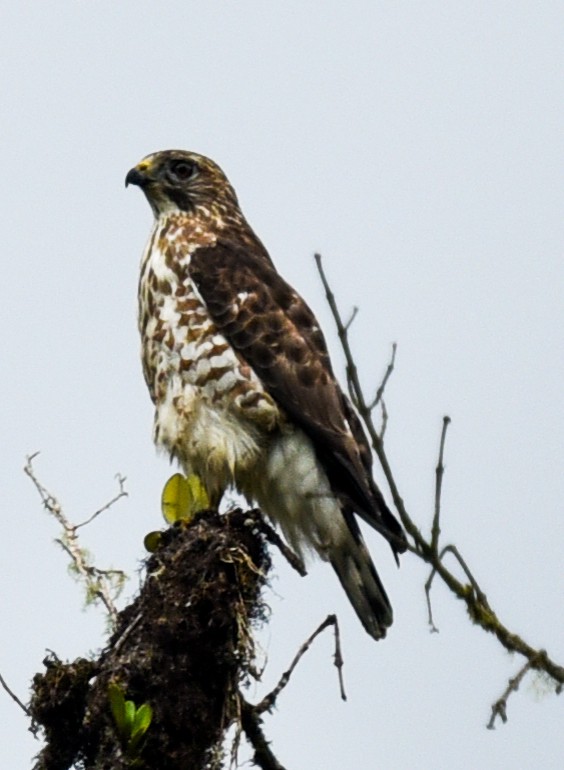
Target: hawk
(240,376)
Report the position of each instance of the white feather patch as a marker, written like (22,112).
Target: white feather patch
(292,487)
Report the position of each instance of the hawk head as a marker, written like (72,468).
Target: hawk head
(176,180)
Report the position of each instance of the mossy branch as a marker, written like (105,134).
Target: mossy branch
(165,689)
(168,684)
(103,585)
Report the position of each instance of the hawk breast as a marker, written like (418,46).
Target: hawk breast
(211,408)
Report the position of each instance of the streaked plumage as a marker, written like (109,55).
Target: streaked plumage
(240,376)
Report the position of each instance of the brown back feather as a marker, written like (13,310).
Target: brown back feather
(277,333)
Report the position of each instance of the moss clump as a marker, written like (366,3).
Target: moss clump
(183,646)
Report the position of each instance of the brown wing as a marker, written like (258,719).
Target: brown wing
(277,333)
(398,542)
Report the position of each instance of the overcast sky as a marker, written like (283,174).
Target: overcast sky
(417,146)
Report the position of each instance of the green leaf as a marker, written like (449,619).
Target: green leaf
(129,716)
(199,497)
(175,500)
(117,703)
(152,541)
(142,720)
(183,497)
(141,723)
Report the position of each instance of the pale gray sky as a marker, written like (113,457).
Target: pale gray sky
(419,147)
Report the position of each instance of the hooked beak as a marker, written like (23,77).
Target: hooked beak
(137,177)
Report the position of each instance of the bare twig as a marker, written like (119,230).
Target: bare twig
(338,657)
(13,695)
(352,371)
(121,493)
(384,423)
(102,585)
(480,595)
(434,629)
(250,717)
(386,377)
(429,550)
(439,472)
(269,700)
(136,620)
(353,381)
(499,708)
(351,319)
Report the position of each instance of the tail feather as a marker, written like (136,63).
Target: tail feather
(352,563)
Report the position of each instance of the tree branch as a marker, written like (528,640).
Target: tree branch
(180,650)
(251,716)
(251,723)
(101,585)
(430,550)
(500,705)
(268,702)
(12,695)
(440,470)
(387,375)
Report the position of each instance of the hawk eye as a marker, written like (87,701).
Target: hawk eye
(181,170)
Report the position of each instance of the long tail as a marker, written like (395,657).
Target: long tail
(353,565)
